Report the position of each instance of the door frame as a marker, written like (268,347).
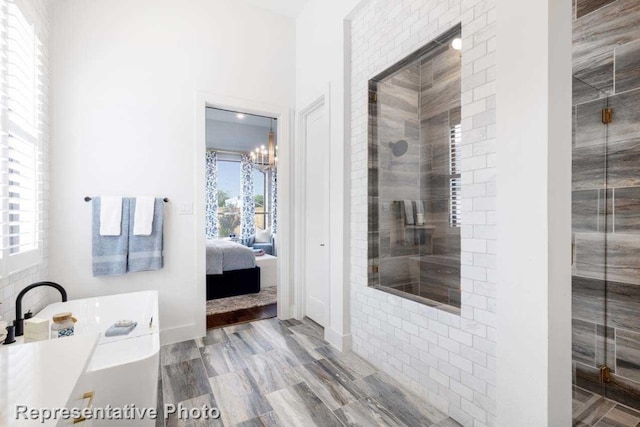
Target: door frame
(285,117)
(320,101)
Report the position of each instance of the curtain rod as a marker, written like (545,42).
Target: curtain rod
(88,199)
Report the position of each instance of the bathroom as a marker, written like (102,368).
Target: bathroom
(479,269)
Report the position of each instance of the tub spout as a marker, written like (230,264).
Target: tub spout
(19,322)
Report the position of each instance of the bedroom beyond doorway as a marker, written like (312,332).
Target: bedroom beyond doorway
(241,217)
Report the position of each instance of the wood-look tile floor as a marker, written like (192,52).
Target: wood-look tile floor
(283,373)
(591,409)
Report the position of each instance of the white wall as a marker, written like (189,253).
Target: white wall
(320,43)
(534,213)
(124,81)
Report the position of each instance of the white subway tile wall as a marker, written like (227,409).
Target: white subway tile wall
(449,359)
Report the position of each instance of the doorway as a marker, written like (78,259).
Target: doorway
(241,198)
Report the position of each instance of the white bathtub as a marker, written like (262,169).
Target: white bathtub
(123,370)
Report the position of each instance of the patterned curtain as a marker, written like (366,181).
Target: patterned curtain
(247,222)
(274,201)
(211,204)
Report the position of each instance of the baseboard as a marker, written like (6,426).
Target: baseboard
(180,333)
(338,340)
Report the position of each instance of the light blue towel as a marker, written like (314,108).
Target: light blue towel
(145,252)
(115,331)
(110,252)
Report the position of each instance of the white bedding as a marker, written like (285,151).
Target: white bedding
(224,255)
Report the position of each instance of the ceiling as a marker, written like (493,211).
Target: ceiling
(290,8)
(226,132)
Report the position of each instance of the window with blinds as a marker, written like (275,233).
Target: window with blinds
(455,180)
(23,87)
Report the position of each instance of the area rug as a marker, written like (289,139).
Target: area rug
(224,305)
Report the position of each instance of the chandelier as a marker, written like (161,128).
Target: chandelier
(265,158)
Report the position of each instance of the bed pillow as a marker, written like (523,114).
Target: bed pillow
(263,236)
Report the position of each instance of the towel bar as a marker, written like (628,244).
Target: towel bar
(88,199)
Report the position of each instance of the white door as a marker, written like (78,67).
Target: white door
(316,220)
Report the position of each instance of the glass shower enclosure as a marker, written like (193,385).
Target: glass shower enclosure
(606,242)
(414,175)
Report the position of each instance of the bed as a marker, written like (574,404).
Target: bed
(231,270)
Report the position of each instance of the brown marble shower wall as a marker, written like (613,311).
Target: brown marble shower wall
(606,196)
(419,104)
(397,119)
(440,76)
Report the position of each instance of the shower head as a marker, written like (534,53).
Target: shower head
(399,148)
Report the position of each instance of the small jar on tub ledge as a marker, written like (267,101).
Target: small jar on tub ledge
(63,325)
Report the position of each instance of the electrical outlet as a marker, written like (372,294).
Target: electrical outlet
(185,208)
(385,207)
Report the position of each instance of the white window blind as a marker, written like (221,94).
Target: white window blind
(455,180)
(23,98)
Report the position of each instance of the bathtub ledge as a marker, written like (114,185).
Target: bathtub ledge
(42,374)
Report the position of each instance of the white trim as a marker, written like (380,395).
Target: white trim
(338,340)
(285,193)
(321,101)
(343,310)
(177,334)
(23,260)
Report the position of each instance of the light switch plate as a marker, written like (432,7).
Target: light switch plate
(185,208)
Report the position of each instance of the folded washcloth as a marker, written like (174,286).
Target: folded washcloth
(110,215)
(115,331)
(408,212)
(143,215)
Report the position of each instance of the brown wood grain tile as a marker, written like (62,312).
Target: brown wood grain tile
(626,212)
(628,354)
(583,342)
(584,7)
(627,60)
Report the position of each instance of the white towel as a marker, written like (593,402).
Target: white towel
(419,212)
(408,212)
(110,215)
(143,216)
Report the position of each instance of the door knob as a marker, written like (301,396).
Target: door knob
(321,244)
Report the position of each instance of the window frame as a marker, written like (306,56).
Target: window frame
(32,134)
(455,176)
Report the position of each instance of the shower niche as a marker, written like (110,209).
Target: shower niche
(414,175)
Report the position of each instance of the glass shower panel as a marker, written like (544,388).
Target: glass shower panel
(590,224)
(606,264)
(606,203)
(414,176)
(622,253)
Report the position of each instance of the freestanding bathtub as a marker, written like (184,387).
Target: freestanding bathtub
(124,369)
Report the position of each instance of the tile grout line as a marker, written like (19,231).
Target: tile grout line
(302,330)
(603,416)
